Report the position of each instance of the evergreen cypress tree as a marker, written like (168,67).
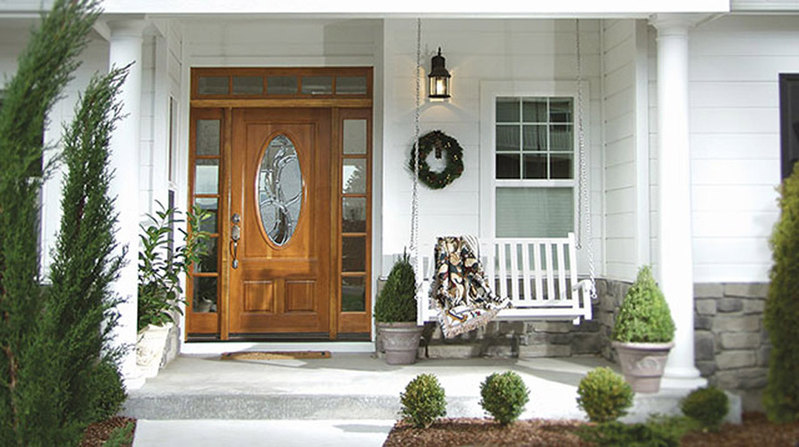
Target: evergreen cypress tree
(44,68)
(781,319)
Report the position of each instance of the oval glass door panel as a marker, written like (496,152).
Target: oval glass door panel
(280,190)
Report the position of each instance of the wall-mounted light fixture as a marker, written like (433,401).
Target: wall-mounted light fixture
(438,78)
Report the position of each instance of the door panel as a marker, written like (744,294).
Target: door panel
(282,282)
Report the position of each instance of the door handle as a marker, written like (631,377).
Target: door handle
(235,236)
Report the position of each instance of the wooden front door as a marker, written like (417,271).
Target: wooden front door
(280,174)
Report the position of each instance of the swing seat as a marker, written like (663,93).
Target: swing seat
(537,275)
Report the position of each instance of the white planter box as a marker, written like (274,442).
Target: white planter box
(150,349)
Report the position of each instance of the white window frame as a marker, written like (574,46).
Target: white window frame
(489,92)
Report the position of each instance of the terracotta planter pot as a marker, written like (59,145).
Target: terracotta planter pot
(400,341)
(643,364)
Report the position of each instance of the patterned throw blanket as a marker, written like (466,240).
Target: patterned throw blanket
(460,289)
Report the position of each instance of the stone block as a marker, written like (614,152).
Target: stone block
(747,323)
(727,305)
(742,379)
(451,351)
(589,325)
(704,345)
(498,351)
(706,368)
(512,327)
(763,355)
(552,326)
(708,290)
(754,306)
(607,319)
(705,306)
(586,344)
(735,359)
(746,290)
(533,351)
(703,323)
(739,340)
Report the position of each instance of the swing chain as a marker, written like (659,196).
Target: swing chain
(583,192)
(414,243)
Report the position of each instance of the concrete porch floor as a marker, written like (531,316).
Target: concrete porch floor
(359,386)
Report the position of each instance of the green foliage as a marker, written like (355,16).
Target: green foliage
(604,395)
(658,431)
(121,436)
(504,396)
(397,301)
(707,406)
(159,270)
(423,401)
(644,316)
(108,391)
(781,319)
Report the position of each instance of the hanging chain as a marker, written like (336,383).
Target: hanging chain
(583,190)
(414,244)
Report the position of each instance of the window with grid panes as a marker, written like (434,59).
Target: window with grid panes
(534,166)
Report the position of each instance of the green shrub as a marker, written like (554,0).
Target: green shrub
(604,395)
(781,318)
(644,316)
(504,396)
(615,433)
(423,401)
(109,391)
(396,302)
(707,406)
(121,436)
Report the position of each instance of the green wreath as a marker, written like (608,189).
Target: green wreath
(440,142)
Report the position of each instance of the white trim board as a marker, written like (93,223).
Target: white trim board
(218,348)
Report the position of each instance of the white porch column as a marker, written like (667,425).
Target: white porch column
(675,258)
(126,47)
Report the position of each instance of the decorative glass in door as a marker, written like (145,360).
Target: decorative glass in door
(280,190)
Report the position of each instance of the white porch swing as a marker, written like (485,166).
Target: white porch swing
(537,275)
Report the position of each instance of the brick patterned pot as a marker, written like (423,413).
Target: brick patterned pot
(400,341)
(643,364)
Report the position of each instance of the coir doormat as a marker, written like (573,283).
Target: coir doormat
(275,355)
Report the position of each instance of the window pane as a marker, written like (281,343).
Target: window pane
(206,177)
(561,166)
(212,85)
(351,85)
(535,166)
(208,260)
(207,137)
(248,85)
(535,138)
(354,176)
(508,166)
(507,110)
(204,299)
(353,219)
(212,206)
(353,294)
(535,110)
(354,136)
(560,110)
(281,85)
(508,138)
(353,254)
(317,85)
(561,137)
(534,212)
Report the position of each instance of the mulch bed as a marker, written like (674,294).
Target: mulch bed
(754,431)
(97,433)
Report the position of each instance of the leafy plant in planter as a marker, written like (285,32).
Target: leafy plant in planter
(643,333)
(159,270)
(395,313)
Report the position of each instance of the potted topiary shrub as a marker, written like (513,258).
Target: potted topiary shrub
(395,314)
(643,334)
(159,289)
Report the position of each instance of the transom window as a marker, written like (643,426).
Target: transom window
(534,166)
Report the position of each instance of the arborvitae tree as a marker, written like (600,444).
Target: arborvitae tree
(73,366)
(781,319)
(44,68)
(397,301)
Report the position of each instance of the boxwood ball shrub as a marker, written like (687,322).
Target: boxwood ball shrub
(604,395)
(644,316)
(707,406)
(423,401)
(504,396)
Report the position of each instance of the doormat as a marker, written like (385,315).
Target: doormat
(275,355)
